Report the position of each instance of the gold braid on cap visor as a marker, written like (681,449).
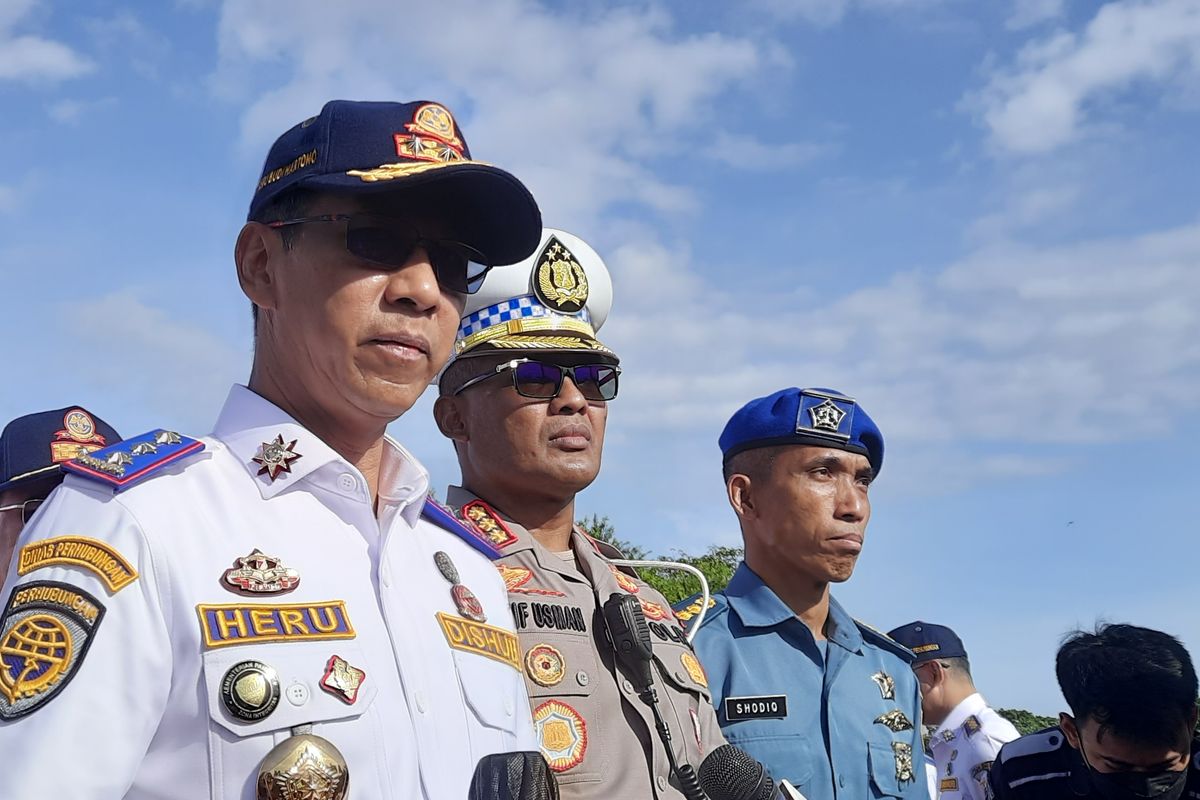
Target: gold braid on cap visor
(527,325)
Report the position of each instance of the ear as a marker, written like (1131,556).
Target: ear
(1067,723)
(257,246)
(448,414)
(741,495)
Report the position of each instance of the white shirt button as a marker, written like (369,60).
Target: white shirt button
(347,482)
(582,678)
(508,707)
(421,702)
(662,783)
(297,694)
(627,686)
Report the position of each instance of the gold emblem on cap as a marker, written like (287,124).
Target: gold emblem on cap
(303,767)
(559,281)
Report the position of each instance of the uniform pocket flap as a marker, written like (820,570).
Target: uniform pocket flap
(887,760)
(257,689)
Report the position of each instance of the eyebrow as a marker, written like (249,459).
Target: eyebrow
(831,461)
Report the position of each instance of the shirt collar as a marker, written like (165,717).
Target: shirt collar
(757,606)
(972,704)
(248,420)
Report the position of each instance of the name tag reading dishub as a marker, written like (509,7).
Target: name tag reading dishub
(767,706)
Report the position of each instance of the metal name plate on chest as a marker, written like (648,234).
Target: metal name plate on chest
(767,706)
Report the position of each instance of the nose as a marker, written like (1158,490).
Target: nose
(569,400)
(415,284)
(852,502)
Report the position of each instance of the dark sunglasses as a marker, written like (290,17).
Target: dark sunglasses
(543,381)
(27,508)
(390,241)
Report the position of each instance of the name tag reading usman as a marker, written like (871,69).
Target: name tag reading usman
(767,706)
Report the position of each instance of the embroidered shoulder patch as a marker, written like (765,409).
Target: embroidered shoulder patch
(126,463)
(229,624)
(79,551)
(485,520)
(441,516)
(45,632)
(482,639)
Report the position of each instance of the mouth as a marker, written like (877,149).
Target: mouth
(572,438)
(400,345)
(849,543)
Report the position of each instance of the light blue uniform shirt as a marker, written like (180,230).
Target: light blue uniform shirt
(844,724)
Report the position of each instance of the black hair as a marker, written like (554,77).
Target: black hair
(959,663)
(755,464)
(1136,682)
(463,369)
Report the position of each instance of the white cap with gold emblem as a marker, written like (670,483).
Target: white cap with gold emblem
(554,301)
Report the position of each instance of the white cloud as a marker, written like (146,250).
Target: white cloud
(748,153)
(1027,13)
(34,58)
(584,107)
(72,111)
(1012,346)
(1046,99)
(829,12)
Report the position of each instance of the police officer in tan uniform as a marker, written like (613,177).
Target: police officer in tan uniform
(524,400)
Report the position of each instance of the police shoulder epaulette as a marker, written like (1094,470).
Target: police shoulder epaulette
(880,639)
(133,460)
(688,609)
(609,551)
(441,516)
(1044,741)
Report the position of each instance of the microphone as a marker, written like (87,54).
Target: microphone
(513,776)
(729,773)
(630,637)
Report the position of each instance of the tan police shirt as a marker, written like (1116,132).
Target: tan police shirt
(594,730)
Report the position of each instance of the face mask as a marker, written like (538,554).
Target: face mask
(1161,785)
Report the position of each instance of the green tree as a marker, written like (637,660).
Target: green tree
(1026,721)
(717,564)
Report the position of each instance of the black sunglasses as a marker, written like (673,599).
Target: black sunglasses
(543,381)
(390,241)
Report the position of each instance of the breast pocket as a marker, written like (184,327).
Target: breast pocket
(258,696)
(886,763)
(563,676)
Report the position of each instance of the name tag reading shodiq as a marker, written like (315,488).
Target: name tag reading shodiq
(767,706)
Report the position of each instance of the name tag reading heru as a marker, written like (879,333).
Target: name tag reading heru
(227,624)
(767,706)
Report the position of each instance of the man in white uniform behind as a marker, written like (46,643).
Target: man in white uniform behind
(276,611)
(969,734)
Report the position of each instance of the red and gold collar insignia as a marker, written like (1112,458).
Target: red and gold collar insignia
(276,457)
(258,573)
(484,519)
(653,611)
(624,581)
(342,680)
(515,579)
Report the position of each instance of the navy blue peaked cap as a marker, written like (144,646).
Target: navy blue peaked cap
(379,147)
(821,417)
(928,641)
(33,446)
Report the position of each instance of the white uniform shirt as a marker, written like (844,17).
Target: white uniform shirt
(964,746)
(142,716)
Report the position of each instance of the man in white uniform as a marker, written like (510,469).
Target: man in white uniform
(276,611)
(969,734)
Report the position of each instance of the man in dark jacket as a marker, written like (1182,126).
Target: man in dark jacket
(1131,730)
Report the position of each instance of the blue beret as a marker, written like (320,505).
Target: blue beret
(820,417)
(380,147)
(33,446)
(929,641)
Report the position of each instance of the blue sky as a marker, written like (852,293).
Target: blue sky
(980,219)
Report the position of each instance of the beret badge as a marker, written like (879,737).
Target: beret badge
(559,281)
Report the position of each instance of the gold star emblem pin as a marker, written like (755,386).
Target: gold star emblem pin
(276,457)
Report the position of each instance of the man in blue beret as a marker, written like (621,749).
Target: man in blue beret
(32,450)
(276,610)
(825,702)
(969,733)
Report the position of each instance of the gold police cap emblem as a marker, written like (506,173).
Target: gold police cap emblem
(559,281)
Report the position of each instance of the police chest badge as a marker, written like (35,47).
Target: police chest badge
(45,632)
(259,573)
(558,281)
